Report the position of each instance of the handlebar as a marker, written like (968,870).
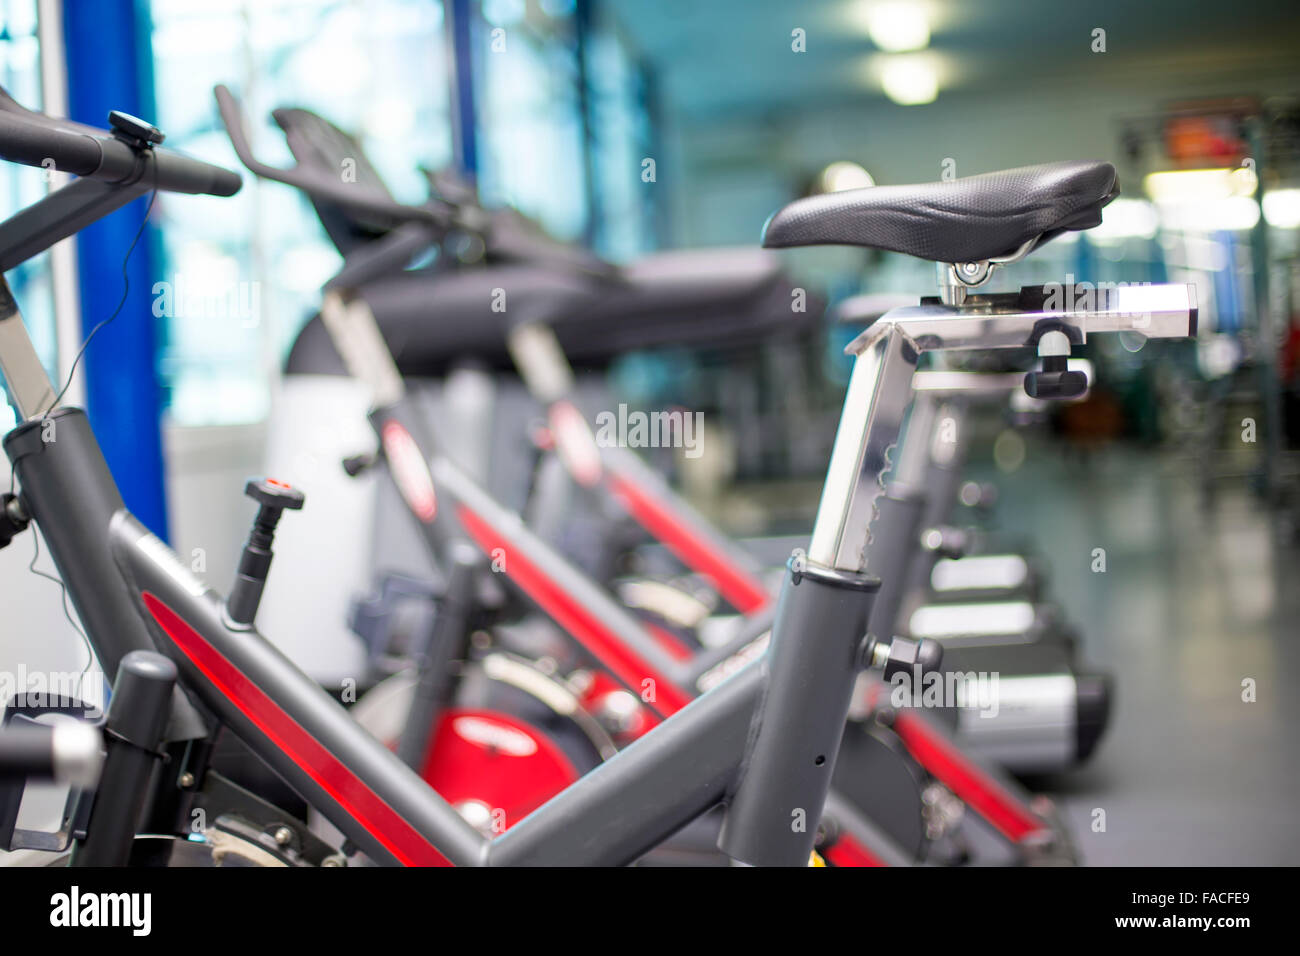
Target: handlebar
(356,197)
(67,752)
(505,234)
(34,139)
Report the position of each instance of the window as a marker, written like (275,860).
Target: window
(579,176)
(239,295)
(622,139)
(530,128)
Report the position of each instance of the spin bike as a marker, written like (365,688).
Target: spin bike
(453,730)
(216,673)
(763,742)
(618,642)
(319,186)
(539,348)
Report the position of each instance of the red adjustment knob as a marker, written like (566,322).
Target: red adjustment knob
(273,493)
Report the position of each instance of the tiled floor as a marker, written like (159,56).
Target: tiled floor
(1192,603)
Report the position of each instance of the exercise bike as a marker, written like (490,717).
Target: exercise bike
(537,344)
(315,181)
(460,764)
(763,742)
(127,588)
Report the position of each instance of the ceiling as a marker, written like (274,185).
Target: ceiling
(718,58)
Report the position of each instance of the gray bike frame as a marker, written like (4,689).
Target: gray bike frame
(763,742)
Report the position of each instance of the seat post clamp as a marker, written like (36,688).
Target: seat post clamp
(956,278)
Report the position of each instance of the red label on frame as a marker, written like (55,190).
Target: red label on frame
(410,471)
(575,443)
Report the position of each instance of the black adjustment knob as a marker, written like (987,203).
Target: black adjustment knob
(907,655)
(1055,381)
(274,498)
(13,519)
(356,464)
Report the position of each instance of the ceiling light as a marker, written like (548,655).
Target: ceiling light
(1126,219)
(897,27)
(1212,215)
(842,175)
(910,81)
(1190,185)
(1282,208)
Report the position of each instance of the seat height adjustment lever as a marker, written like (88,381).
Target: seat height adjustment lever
(1055,381)
(273,498)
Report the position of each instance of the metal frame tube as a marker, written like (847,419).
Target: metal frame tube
(29,387)
(896,532)
(878,395)
(71,497)
(811,668)
(646,792)
(293,725)
(659,783)
(611,816)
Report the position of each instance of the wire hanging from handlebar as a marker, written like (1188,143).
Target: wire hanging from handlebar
(72,371)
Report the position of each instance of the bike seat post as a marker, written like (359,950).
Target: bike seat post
(819,633)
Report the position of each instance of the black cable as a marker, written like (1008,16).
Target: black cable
(63,589)
(72,371)
(126,291)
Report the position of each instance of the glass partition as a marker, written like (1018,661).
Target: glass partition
(238,296)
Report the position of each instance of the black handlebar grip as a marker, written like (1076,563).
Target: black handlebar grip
(27,751)
(181,174)
(33,139)
(68,752)
(32,144)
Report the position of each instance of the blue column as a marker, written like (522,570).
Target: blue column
(110,67)
(458,19)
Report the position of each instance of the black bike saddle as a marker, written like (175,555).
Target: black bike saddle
(715,298)
(962,220)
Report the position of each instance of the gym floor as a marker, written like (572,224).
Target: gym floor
(1193,601)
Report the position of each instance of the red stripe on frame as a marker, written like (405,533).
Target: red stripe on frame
(968,781)
(742,591)
(847,851)
(569,613)
(379,819)
(669,642)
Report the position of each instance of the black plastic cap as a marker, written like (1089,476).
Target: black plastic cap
(1092,692)
(1055,385)
(929,655)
